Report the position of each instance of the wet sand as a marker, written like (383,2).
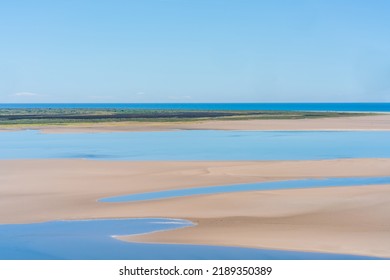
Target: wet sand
(353,220)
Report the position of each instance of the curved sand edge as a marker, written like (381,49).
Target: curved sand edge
(345,220)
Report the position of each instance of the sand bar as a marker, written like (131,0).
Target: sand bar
(374,122)
(351,220)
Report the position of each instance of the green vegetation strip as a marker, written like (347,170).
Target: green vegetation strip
(70,116)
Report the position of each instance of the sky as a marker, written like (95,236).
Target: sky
(145,51)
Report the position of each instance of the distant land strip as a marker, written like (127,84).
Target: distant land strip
(69,116)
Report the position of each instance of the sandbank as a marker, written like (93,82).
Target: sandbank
(345,220)
(374,122)
(352,220)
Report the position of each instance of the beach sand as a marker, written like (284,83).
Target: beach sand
(350,220)
(354,220)
(374,122)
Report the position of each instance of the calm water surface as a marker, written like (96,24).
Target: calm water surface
(278,185)
(91,239)
(196,145)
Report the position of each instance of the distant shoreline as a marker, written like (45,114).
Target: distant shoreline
(366,122)
(232,106)
(69,116)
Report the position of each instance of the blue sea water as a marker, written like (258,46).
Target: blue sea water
(92,240)
(341,107)
(197,145)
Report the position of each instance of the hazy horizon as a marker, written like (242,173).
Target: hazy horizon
(223,102)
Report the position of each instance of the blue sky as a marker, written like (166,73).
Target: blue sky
(194,51)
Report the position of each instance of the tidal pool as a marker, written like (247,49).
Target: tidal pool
(276,185)
(197,145)
(93,239)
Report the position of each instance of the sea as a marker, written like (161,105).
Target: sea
(320,107)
